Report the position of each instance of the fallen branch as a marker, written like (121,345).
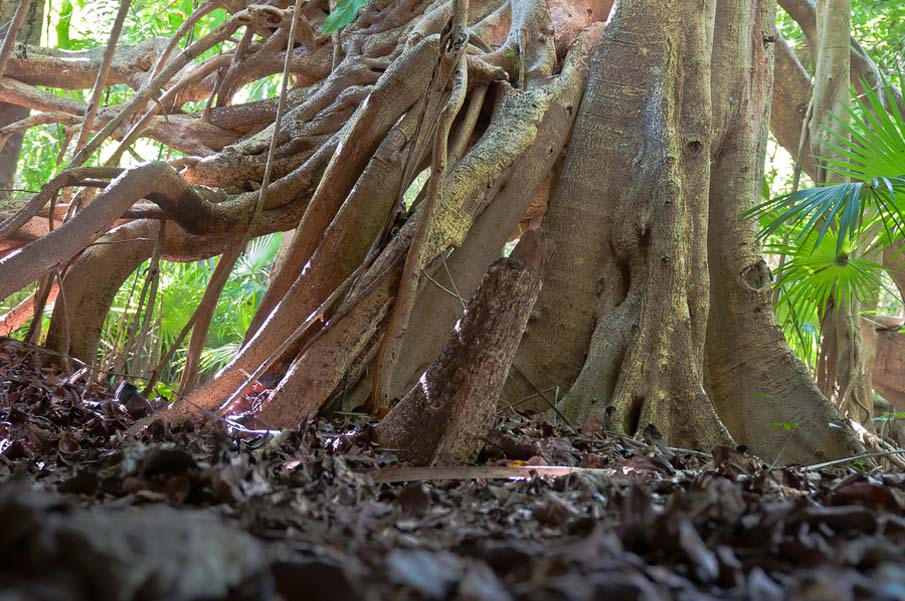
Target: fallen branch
(820,466)
(489,472)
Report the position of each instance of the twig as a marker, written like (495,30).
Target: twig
(143,95)
(513,404)
(205,312)
(281,108)
(489,472)
(543,395)
(316,315)
(146,421)
(455,70)
(452,281)
(48,193)
(81,364)
(67,340)
(440,286)
(817,466)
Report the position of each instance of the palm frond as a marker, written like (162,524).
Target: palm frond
(258,256)
(802,332)
(215,358)
(874,146)
(874,140)
(815,272)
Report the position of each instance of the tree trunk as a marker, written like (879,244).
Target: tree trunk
(651,179)
(889,368)
(549,106)
(894,261)
(863,68)
(597,281)
(791,98)
(841,373)
(636,241)
(754,378)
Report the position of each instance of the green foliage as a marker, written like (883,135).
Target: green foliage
(62,27)
(876,148)
(825,229)
(37,162)
(83,24)
(787,426)
(345,12)
(878,25)
(181,288)
(874,145)
(801,326)
(825,233)
(266,87)
(817,269)
(858,465)
(890,417)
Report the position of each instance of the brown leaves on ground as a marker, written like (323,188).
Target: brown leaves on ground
(195,510)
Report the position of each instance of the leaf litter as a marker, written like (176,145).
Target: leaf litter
(196,511)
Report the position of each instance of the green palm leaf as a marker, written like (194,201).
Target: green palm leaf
(874,141)
(874,144)
(816,272)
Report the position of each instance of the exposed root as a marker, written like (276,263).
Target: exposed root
(19,315)
(526,157)
(448,86)
(69,177)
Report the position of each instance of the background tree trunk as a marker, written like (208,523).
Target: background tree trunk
(889,369)
(840,367)
(10,113)
(754,378)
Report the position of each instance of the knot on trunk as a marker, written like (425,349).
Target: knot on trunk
(757,276)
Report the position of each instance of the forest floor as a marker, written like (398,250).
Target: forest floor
(320,512)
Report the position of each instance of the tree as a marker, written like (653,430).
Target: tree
(840,236)
(656,307)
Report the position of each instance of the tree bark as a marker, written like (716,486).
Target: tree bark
(863,68)
(791,97)
(633,249)
(550,106)
(626,309)
(840,366)
(894,261)
(753,378)
(889,367)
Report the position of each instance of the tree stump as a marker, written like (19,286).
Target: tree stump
(445,417)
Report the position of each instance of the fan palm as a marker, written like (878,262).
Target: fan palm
(825,232)
(874,147)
